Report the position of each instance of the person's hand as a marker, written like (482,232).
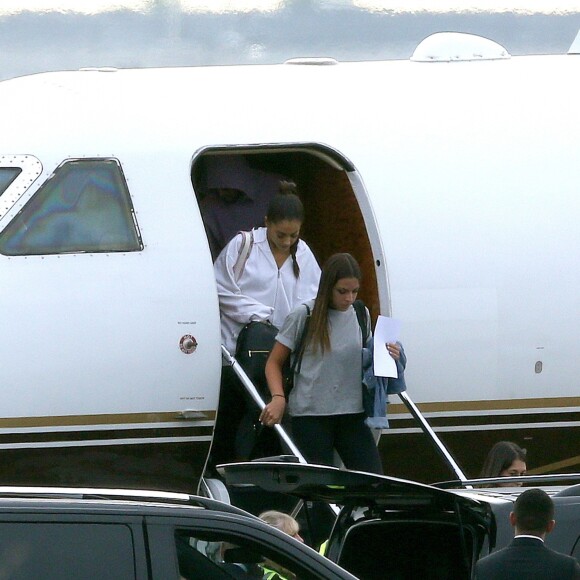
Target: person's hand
(393,349)
(273,412)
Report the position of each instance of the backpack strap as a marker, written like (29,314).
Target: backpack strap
(244,253)
(301,345)
(361,316)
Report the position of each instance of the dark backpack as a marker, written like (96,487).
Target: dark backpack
(255,342)
(361,316)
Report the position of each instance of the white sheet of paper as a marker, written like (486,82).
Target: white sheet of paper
(386,330)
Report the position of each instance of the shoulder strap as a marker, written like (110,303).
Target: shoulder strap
(300,346)
(361,316)
(244,253)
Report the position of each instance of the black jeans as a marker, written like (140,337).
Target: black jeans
(238,436)
(318,436)
(231,409)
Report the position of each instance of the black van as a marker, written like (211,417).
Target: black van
(90,534)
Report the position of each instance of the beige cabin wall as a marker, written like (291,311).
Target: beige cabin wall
(335,223)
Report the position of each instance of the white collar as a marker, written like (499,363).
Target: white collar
(529,536)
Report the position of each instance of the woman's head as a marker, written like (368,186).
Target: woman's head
(505,459)
(338,289)
(282,522)
(284,219)
(285,205)
(341,276)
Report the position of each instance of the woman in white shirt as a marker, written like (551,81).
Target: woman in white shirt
(279,273)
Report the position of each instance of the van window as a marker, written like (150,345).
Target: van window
(54,551)
(84,207)
(223,555)
(7,176)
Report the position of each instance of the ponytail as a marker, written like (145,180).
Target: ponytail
(286,205)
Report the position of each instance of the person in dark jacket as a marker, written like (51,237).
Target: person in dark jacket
(527,557)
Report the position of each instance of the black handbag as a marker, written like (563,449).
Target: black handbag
(255,342)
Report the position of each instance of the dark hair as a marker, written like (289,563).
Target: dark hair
(534,510)
(286,205)
(500,457)
(338,266)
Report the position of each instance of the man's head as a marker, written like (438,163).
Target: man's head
(533,513)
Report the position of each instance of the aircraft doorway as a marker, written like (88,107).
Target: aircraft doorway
(330,191)
(334,220)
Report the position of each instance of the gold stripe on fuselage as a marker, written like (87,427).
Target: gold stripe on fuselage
(557,467)
(104,420)
(534,405)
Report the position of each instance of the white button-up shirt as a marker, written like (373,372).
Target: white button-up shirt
(263,292)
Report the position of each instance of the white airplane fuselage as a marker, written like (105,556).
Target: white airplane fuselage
(466,177)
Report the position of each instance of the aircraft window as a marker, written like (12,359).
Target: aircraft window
(84,207)
(7,176)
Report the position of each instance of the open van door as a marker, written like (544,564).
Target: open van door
(410,529)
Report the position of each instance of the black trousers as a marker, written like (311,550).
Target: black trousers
(318,436)
(238,436)
(231,409)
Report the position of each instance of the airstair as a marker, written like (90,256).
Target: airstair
(216,489)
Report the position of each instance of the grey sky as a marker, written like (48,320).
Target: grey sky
(39,35)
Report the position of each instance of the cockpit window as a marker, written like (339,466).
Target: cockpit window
(83,207)
(7,176)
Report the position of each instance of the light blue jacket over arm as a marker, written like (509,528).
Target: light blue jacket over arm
(376,389)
